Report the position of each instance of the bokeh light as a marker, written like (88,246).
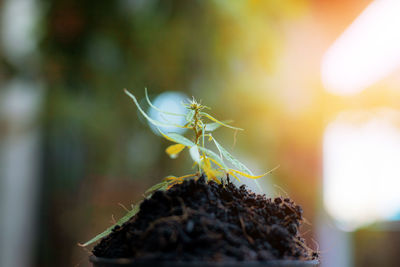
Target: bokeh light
(366,52)
(362,168)
(171,102)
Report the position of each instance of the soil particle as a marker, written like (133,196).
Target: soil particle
(205,221)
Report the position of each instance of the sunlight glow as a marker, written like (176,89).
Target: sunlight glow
(366,52)
(170,102)
(361,171)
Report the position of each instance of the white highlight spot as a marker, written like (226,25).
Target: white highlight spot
(362,171)
(366,52)
(194,153)
(169,102)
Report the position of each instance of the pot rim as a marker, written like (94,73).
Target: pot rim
(271,263)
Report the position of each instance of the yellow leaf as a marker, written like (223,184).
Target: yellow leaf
(210,172)
(215,162)
(171,178)
(234,175)
(174,150)
(188,175)
(252,176)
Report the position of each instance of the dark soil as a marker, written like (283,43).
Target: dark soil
(199,220)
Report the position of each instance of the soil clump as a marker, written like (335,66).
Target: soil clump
(205,221)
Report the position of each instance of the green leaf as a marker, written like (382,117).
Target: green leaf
(236,163)
(219,122)
(121,221)
(209,127)
(190,115)
(154,122)
(214,156)
(160,186)
(203,132)
(231,159)
(156,108)
(177,138)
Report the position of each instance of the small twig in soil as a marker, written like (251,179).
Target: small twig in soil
(316,244)
(234,139)
(281,189)
(123,206)
(251,241)
(305,221)
(113,221)
(305,233)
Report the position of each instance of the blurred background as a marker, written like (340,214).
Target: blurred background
(315,84)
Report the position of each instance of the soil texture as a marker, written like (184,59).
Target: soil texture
(205,221)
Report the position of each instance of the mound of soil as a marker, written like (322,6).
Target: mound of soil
(205,221)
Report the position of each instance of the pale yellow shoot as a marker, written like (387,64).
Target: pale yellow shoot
(220,122)
(174,150)
(209,171)
(177,180)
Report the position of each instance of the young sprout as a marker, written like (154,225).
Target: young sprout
(208,162)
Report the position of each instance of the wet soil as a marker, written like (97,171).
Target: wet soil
(205,221)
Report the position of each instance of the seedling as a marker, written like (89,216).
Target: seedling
(214,166)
